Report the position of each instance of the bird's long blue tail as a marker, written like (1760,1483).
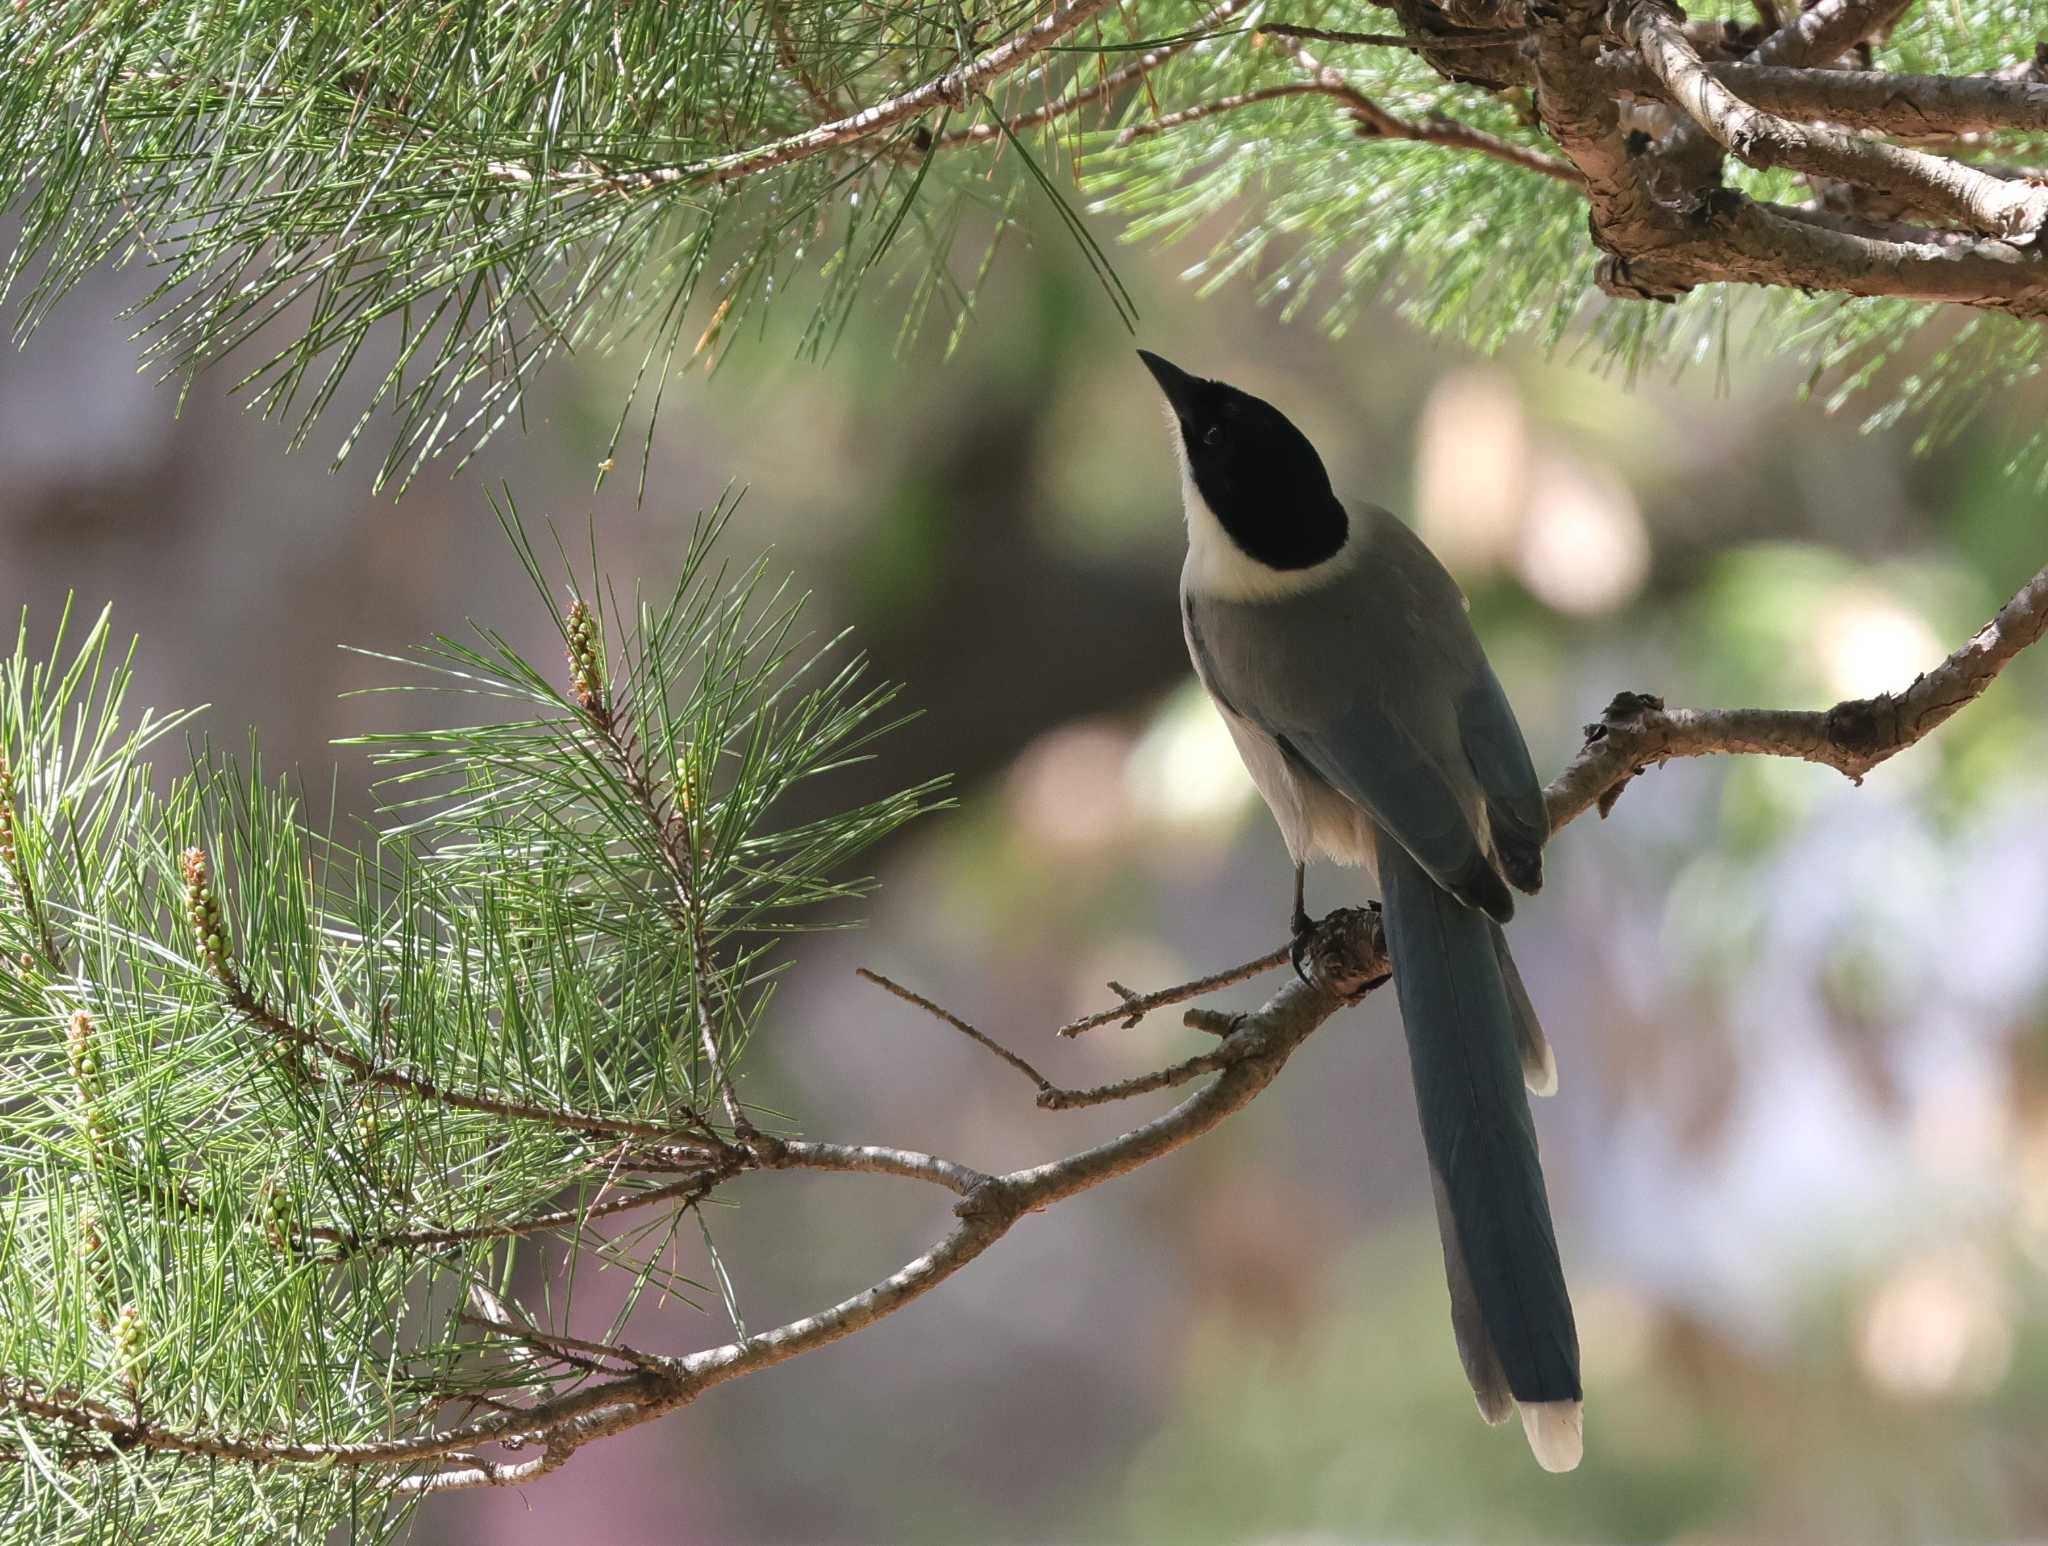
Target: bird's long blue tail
(1462,1006)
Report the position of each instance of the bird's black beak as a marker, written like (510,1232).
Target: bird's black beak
(1176,383)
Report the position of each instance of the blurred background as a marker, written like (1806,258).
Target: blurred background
(1799,1160)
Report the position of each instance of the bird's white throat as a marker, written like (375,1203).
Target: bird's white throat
(1218,567)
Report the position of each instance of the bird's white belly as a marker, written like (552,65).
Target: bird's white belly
(1315,820)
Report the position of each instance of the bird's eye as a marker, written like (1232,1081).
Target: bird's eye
(1213,435)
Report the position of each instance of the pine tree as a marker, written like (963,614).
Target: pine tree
(287,1108)
(505,182)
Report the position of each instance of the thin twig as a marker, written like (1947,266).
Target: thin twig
(1450,43)
(550,1342)
(1210,109)
(822,100)
(422,1087)
(1052,1097)
(1136,1006)
(1373,120)
(676,844)
(1142,1084)
(16,865)
(909,997)
(348,1243)
(1108,85)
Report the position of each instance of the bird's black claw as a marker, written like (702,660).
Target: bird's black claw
(1304,930)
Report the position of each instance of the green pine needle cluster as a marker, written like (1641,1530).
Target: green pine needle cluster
(1283,196)
(288,1117)
(438,200)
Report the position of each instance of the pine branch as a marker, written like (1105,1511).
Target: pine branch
(498,196)
(624,1387)
(1943,188)
(1108,86)
(1906,106)
(1828,29)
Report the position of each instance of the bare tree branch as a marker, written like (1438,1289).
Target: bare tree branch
(1910,105)
(958,1024)
(1853,737)
(1442,44)
(1828,29)
(1136,1006)
(1050,1096)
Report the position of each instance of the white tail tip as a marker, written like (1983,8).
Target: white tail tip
(1542,1080)
(1556,1433)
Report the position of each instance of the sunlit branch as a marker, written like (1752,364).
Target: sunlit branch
(1934,184)
(1853,737)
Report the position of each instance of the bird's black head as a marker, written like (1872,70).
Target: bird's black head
(1254,469)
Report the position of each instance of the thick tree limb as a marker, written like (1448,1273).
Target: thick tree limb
(1910,105)
(1657,250)
(1828,29)
(1939,186)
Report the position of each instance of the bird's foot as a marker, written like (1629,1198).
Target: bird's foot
(1304,928)
(1376,922)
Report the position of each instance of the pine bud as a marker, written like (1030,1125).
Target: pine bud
(586,663)
(80,1041)
(9,855)
(129,1362)
(204,914)
(274,1212)
(85,1057)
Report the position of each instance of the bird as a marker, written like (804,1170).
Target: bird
(1341,656)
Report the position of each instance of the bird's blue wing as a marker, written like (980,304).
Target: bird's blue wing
(1373,761)
(1499,756)
(1375,685)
